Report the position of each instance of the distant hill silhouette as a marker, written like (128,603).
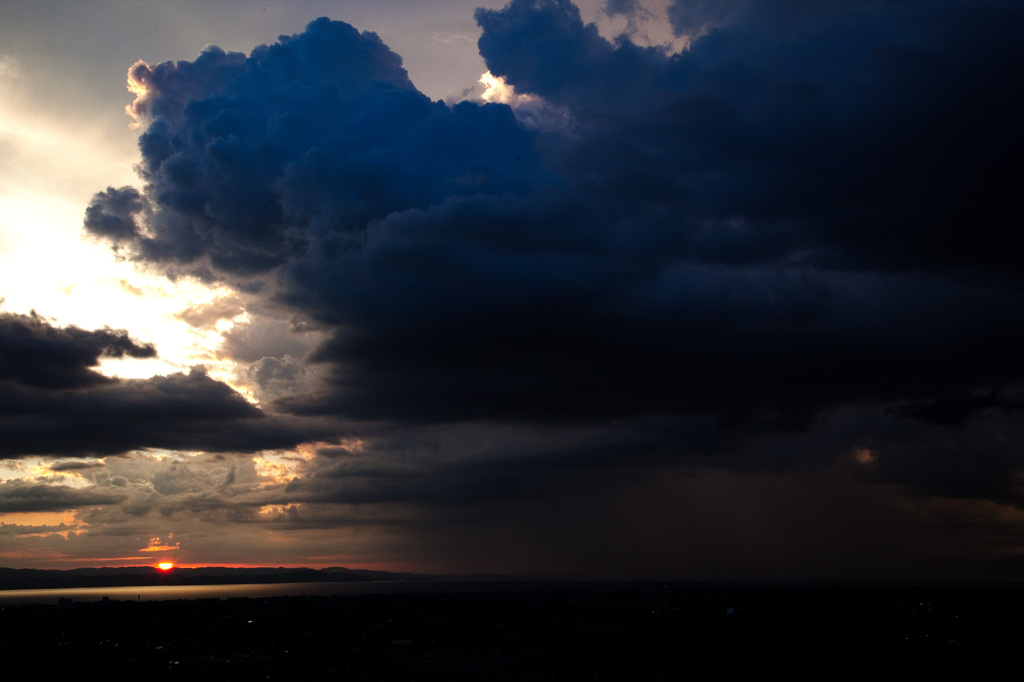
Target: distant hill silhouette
(28,578)
(1006,570)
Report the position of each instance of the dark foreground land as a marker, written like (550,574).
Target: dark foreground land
(606,633)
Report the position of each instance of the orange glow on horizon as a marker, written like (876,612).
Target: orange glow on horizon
(314,563)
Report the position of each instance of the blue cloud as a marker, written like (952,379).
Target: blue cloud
(810,209)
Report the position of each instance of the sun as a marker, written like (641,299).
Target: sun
(165,565)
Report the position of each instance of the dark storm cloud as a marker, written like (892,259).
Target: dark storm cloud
(52,401)
(22,496)
(465,464)
(178,411)
(76,466)
(438,467)
(806,212)
(956,408)
(34,353)
(622,7)
(697,17)
(862,137)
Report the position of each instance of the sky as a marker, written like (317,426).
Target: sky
(666,289)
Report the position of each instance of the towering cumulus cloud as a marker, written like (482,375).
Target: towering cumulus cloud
(255,163)
(790,241)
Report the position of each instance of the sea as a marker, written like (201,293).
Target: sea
(268,590)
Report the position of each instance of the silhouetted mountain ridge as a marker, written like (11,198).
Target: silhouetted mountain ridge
(1006,570)
(28,578)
